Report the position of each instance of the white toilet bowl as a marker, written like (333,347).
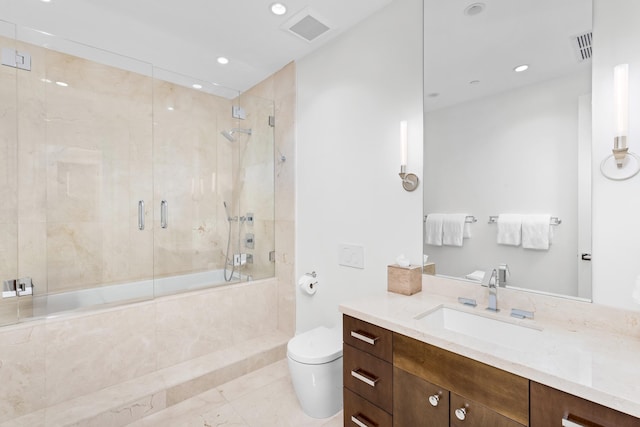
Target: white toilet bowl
(315,364)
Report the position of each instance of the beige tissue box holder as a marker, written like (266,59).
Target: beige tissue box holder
(404,280)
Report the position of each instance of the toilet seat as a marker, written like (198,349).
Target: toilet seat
(317,346)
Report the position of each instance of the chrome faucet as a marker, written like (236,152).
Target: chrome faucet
(493,289)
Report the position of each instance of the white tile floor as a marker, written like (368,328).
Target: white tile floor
(264,398)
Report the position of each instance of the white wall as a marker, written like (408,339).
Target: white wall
(616,205)
(352,95)
(512,152)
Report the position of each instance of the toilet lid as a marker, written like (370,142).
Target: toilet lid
(319,345)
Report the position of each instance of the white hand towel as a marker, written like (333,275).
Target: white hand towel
(476,276)
(536,232)
(433,229)
(467,228)
(453,229)
(510,229)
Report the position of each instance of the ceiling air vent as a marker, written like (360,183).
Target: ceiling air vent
(307,26)
(582,45)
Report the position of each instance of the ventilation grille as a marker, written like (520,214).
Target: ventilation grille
(309,28)
(582,46)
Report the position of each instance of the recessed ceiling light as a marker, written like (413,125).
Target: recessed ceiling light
(474,9)
(45,80)
(222,60)
(63,84)
(521,68)
(196,86)
(170,108)
(45,1)
(278,9)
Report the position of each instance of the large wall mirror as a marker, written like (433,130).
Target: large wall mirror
(500,142)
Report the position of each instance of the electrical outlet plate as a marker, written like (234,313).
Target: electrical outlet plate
(351,256)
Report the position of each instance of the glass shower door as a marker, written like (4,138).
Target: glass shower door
(254,186)
(85,149)
(191,177)
(8,180)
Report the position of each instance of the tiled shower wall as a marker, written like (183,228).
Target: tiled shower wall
(90,149)
(45,362)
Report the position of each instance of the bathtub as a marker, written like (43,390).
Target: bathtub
(48,305)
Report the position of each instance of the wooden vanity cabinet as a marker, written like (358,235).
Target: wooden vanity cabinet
(549,407)
(391,380)
(417,402)
(367,374)
(476,415)
(482,395)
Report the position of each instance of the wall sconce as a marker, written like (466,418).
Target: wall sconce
(409,180)
(622,164)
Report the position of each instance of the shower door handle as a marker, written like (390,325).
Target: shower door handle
(141,215)
(164,214)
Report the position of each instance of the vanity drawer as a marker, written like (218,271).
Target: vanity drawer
(503,392)
(550,406)
(418,403)
(358,412)
(474,414)
(367,337)
(368,376)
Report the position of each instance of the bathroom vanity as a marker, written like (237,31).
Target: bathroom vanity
(399,372)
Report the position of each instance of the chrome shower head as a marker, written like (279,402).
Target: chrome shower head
(229,133)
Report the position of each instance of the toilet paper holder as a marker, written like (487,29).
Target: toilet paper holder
(308,283)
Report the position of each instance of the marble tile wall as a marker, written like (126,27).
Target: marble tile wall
(66,168)
(90,149)
(46,362)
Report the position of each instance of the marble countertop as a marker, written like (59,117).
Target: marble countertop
(575,355)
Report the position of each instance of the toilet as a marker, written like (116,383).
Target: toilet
(315,365)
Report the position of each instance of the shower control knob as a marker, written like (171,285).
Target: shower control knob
(434,399)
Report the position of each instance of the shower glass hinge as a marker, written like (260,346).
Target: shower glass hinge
(237,112)
(16,59)
(17,288)
(249,258)
(272,256)
(249,218)
(272,121)
(9,289)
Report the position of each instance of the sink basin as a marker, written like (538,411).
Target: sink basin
(482,327)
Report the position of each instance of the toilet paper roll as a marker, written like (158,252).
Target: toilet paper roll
(308,284)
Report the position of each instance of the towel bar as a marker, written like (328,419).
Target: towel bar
(554,220)
(470,219)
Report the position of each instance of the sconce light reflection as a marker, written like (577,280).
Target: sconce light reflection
(409,180)
(622,164)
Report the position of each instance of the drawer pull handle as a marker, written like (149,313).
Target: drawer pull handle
(461,413)
(363,336)
(570,421)
(361,421)
(367,379)
(434,399)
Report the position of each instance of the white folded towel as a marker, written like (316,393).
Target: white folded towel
(433,229)
(453,229)
(536,232)
(476,276)
(510,229)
